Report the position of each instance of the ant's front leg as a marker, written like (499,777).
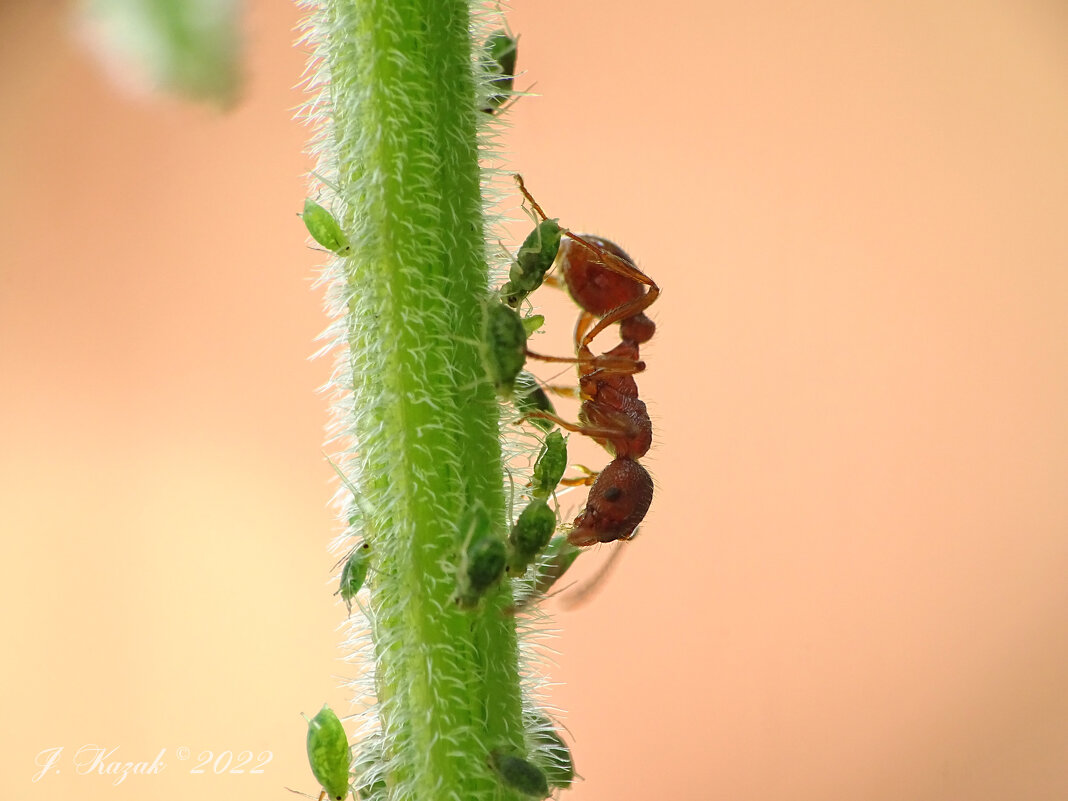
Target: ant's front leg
(594,432)
(605,362)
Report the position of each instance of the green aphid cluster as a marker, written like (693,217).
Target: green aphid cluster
(551,753)
(537,522)
(530,397)
(329,754)
(519,774)
(324,228)
(483,560)
(354,573)
(501,51)
(534,259)
(505,350)
(505,346)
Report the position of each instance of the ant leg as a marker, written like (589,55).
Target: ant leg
(581,481)
(564,392)
(582,325)
(614,263)
(585,335)
(553,281)
(530,197)
(595,432)
(609,364)
(631,309)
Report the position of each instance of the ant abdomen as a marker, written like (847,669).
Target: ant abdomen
(596,288)
(617,503)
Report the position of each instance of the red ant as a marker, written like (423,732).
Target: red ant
(608,286)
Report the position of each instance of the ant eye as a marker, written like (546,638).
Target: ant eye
(613,494)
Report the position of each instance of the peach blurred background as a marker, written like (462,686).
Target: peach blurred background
(852,584)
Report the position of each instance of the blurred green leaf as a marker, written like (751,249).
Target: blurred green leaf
(184,46)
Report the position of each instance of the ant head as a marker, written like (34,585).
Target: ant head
(617,503)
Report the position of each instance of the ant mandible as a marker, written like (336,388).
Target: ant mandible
(607,285)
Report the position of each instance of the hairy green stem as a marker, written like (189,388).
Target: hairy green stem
(402,98)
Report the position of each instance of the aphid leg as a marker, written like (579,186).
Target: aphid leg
(322,794)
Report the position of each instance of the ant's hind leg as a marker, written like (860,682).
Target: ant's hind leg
(608,364)
(581,481)
(594,432)
(564,392)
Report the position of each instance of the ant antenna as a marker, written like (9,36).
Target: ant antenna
(529,197)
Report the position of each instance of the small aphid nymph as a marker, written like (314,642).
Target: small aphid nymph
(354,573)
(550,466)
(324,228)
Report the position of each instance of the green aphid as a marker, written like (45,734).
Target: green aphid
(536,255)
(504,346)
(520,775)
(354,573)
(482,568)
(530,534)
(483,560)
(329,753)
(502,50)
(324,228)
(552,754)
(530,397)
(550,466)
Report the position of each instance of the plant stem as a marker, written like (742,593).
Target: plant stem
(402,99)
